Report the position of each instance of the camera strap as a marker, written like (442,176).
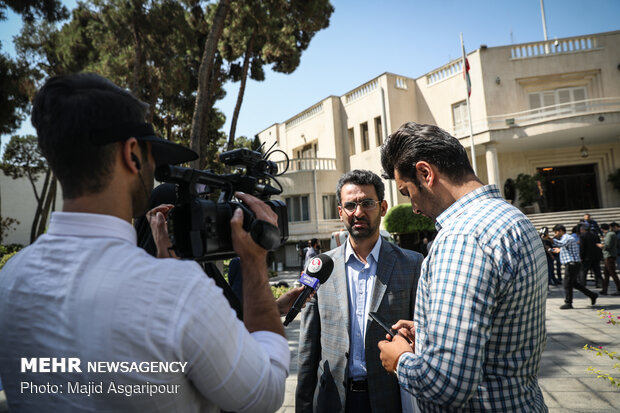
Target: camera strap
(212,271)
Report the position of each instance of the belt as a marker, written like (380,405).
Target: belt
(357,385)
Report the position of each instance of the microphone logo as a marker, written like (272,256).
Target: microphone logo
(315,265)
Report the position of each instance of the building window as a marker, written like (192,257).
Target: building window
(460,117)
(364,136)
(351,142)
(378,131)
(298,208)
(330,207)
(559,101)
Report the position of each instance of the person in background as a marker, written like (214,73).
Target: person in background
(592,224)
(313,250)
(590,255)
(610,251)
(548,245)
(474,351)
(615,227)
(570,257)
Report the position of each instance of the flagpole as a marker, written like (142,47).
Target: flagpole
(471,129)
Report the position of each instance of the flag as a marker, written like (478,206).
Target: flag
(466,70)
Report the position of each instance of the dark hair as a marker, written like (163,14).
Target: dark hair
(584,226)
(314,241)
(414,142)
(605,227)
(614,224)
(559,227)
(361,177)
(66,112)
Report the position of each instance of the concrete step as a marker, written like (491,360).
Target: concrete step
(571,218)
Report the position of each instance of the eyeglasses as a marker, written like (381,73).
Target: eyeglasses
(366,204)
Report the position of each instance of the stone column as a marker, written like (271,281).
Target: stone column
(492,164)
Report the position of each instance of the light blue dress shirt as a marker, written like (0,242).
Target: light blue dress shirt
(360,282)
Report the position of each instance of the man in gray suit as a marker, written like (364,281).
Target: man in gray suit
(339,365)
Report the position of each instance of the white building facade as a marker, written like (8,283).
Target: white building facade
(531,105)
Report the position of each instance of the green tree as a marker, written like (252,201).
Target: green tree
(401,219)
(272,32)
(22,159)
(207,80)
(51,10)
(122,40)
(16,83)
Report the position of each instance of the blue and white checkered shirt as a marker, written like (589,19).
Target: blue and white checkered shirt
(480,311)
(569,249)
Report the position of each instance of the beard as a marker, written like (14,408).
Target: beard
(362,233)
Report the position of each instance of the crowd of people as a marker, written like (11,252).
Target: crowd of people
(583,251)
(466,325)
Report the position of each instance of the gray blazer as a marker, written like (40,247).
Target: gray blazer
(325,333)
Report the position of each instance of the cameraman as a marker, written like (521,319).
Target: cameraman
(85,290)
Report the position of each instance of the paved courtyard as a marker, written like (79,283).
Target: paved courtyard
(566,384)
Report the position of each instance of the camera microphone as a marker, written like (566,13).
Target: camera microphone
(318,271)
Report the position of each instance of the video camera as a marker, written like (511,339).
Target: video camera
(199,228)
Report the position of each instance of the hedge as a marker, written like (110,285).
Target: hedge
(401,219)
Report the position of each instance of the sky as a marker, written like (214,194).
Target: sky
(366,38)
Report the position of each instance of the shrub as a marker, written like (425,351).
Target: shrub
(401,219)
(9,248)
(5,258)
(278,291)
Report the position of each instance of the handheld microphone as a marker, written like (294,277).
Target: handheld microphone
(318,271)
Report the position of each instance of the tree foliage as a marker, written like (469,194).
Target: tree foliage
(269,32)
(16,87)
(152,47)
(51,10)
(16,80)
(401,219)
(7,224)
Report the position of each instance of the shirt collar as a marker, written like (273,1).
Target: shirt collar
(348,251)
(82,224)
(458,207)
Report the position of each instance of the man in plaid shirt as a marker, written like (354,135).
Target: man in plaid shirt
(570,257)
(479,320)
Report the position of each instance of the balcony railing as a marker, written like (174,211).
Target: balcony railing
(538,115)
(306,114)
(361,91)
(308,164)
(553,47)
(446,71)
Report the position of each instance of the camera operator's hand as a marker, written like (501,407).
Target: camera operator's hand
(260,312)
(157,220)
